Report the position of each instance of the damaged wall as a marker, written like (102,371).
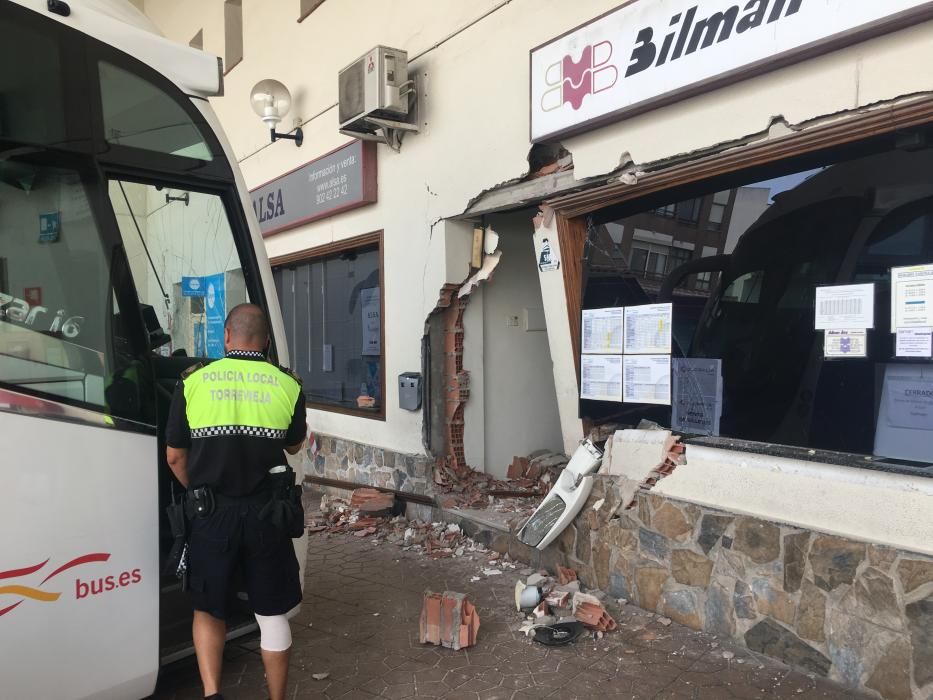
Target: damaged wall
(472,140)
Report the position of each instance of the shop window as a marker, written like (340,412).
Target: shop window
(309,6)
(846,218)
(233,34)
(332,307)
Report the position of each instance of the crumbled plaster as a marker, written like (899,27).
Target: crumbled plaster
(490,263)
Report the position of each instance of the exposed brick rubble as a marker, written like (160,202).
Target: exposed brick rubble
(437,540)
(528,478)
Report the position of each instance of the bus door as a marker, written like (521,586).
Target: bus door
(188,274)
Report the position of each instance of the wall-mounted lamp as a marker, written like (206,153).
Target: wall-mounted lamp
(271,101)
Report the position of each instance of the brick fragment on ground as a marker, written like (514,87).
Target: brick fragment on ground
(372,501)
(565,575)
(448,619)
(588,610)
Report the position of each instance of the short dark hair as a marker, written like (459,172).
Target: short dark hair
(247,324)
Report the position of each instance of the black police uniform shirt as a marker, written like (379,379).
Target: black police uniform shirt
(235,416)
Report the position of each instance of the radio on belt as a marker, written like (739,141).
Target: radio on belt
(409,391)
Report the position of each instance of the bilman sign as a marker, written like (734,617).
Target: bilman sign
(648,53)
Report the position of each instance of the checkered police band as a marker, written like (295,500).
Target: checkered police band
(247,430)
(253,354)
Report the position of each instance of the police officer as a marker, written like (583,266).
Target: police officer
(227,427)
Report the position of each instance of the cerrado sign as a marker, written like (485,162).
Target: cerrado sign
(648,53)
(338,181)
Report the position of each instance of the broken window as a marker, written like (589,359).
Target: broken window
(772,237)
(332,309)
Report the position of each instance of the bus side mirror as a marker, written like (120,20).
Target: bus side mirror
(713,263)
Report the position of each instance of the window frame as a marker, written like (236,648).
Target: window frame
(329,250)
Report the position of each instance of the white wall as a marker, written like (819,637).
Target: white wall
(520,400)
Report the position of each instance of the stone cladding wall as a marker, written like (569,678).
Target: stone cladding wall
(373,466)
(859,613)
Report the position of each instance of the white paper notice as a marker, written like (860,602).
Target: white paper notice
(648,329)
(910,403)
(845,343)
(372,321)
(911,297)
(914,342)
(602,331)
(601,377)
(647,379)
(845,306)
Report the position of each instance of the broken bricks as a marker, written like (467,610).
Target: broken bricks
(565,575)
(448,619)
(372,502)
(590,611)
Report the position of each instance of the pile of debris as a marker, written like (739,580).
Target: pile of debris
(528,478)
(369,513)
(558,611)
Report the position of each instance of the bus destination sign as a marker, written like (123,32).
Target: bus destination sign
(336,182)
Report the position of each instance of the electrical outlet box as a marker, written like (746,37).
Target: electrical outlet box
(409,391)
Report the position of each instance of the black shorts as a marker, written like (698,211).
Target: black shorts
(231,540)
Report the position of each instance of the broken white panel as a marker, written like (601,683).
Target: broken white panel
(636,453)
(490,263)
(490,241)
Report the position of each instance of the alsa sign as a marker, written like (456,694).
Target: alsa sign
(338,181)
(649,53)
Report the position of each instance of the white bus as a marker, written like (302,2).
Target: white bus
(124,237)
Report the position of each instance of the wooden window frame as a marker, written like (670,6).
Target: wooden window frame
(329,250)
(572,210)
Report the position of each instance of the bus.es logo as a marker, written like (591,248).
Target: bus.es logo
(11,589)
(570,81)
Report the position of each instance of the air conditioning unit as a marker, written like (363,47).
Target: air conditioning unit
(374,86)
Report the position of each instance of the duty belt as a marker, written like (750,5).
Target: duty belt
(203,501)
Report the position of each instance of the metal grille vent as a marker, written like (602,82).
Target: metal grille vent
(351,91)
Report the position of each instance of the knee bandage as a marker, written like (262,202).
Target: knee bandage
(274,632)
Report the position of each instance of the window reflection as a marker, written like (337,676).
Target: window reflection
(770,243)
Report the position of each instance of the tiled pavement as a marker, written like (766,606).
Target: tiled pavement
(359,624)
